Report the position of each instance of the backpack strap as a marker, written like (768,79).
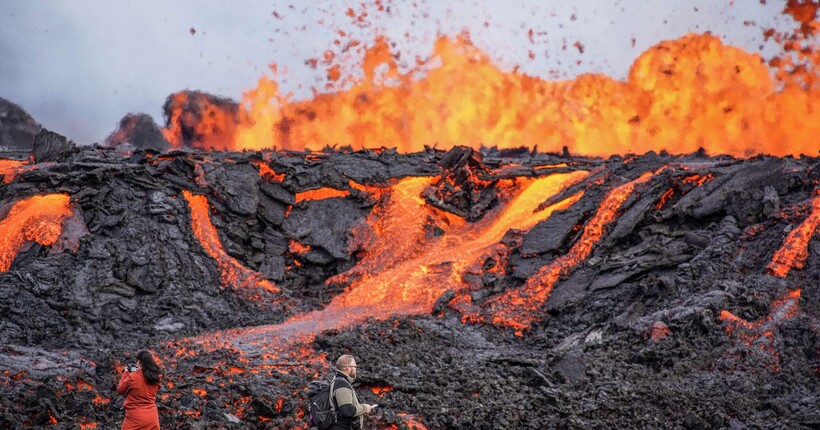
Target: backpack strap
(331,398)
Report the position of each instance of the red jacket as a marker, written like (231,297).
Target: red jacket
(140,402)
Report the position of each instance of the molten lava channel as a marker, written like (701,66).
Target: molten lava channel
(34,219)
(10,168)
(232,272)
(520,308)
(795,249)
(404,271)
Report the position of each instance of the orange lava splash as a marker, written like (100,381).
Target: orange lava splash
(233,273)
(520,308)
(795,249)
(10,168)
(760,335)
(35,219)
(680,95)
(195,117)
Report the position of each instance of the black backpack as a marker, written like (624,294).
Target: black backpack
(321,411)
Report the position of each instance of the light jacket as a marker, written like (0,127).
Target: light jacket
(349,412)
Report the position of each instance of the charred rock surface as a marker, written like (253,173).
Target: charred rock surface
(672,320)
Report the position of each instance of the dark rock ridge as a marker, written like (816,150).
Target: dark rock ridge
(630,338)
(138,131)
(17,127)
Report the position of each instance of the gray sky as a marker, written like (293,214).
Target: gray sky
(79,66)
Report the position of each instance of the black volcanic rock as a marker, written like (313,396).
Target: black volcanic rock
(138,131)
(17,127)
(52,147)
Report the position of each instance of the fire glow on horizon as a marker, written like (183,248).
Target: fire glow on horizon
(679,96)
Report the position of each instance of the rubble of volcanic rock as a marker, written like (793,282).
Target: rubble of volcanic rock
(673,318)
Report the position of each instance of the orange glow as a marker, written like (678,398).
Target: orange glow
(381,391)
(266,172)
(795,249)
(760,334)
(403,270)
(84,386)
(679,96)
(88,426)
(321,193)
(213,129)
(35,219)
(100,401)
(411,421)
(233,273)
(199,392)
(51,419)
(659,332)
(278,405)
(664,198)
(519,308)
(297,248)
(698,180)
(10,168)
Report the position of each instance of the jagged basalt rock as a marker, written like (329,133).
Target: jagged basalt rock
(138,131)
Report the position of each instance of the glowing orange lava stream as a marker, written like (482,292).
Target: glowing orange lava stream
(404,272)
(38,219)
(232,272)
(519,308)
(10,168)
(795,249)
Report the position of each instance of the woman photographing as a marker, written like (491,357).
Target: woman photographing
(139,385)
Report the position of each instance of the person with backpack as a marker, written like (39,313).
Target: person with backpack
(139,384)
(349,412)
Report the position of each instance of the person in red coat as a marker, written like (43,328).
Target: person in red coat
(140,386)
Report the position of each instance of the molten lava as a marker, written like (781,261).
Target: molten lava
(520,308)
(10,168)
(680,95)
(795,249)
(35,219)
(320,194)
(404,271)
(233,273)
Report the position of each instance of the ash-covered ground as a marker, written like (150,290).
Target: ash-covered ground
(678,315)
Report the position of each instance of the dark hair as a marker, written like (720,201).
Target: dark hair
(150,369)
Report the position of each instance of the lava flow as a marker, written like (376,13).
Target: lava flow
(10,168)
(404,271)
(795,248)
(35,219)
(232,272)
(520,308)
